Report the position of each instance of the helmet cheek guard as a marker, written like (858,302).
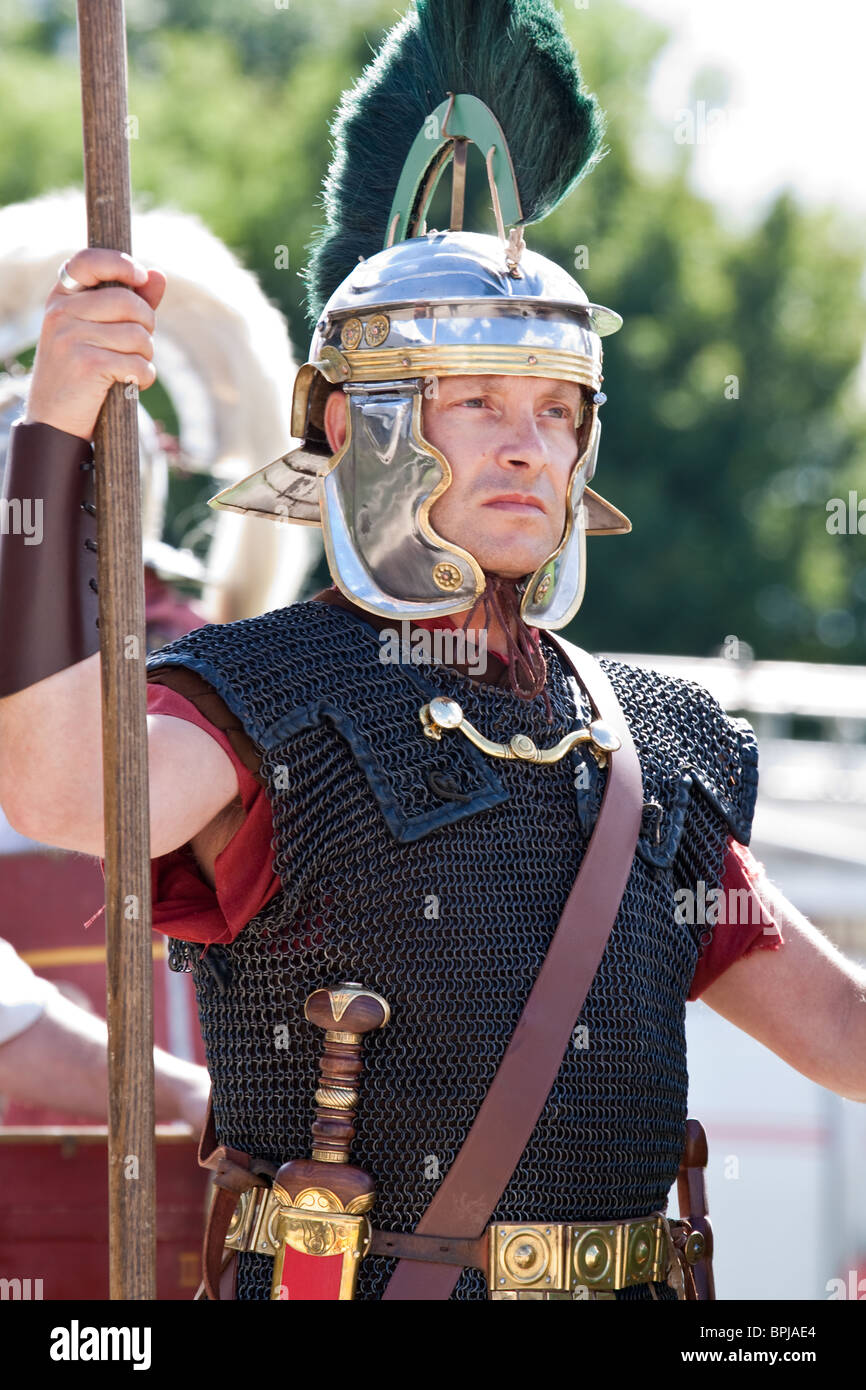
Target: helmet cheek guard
(375,501)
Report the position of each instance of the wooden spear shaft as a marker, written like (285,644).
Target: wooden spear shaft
(131,1147)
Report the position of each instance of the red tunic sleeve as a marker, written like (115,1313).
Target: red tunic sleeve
(184,905)
(748,926)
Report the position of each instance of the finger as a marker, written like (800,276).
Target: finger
(108,304)
(153,291)
(96,264)
(122,366)
(122,338)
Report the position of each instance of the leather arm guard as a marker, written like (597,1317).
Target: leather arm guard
(48,596)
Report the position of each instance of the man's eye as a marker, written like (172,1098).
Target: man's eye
(473,400)
(564,411)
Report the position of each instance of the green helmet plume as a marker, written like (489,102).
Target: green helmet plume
(514,56)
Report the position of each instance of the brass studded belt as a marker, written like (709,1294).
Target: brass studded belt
(521,1260)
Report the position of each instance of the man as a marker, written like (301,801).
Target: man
(426,823)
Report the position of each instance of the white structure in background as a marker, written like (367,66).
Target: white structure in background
(222,353)
(787,1158)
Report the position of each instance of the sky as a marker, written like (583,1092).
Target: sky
(795,111)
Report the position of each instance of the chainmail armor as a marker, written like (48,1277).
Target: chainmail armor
(436,876)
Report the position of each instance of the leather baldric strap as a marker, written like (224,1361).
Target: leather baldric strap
(474,1183)
(234,1173)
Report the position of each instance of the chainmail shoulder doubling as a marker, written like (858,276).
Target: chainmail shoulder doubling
(703,765)
(437,877)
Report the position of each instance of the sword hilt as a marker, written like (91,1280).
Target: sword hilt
(346,1012)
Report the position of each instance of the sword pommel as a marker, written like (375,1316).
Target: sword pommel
(347,1009)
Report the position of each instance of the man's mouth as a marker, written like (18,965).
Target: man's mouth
(516,502)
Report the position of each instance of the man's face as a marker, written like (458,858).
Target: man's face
(511,444)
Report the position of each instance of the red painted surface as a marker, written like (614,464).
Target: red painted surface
(54,1213)
(307,1277)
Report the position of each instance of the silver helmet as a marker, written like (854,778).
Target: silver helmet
(428,305)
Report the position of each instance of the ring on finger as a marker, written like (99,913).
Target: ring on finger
(68,281)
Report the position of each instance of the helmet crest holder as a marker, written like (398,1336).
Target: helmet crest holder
(444,137)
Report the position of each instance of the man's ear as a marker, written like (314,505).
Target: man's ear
(335,419)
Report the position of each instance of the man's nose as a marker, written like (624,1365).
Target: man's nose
(521,443)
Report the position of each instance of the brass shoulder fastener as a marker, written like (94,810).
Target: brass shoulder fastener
(443,713)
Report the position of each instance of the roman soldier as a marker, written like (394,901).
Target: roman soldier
(473,863)
(427,868)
